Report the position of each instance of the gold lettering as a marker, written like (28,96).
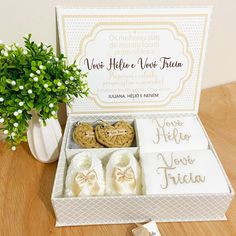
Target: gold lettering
(173,135)
(179,178)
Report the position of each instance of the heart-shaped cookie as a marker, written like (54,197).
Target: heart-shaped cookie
(121,134)
(84,135)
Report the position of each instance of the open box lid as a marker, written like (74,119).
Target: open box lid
(138,60)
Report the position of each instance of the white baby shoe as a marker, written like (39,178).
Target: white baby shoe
(122,174)
(85,176)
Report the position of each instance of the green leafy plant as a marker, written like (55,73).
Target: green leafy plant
(33,78)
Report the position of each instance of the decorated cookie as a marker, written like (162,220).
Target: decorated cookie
(84,135)
(121,134)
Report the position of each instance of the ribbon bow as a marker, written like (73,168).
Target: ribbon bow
(121,177)
(89,179)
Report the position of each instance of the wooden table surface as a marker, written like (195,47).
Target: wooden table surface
(26,184)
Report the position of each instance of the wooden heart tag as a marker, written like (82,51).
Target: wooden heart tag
(84,135)
(121,134)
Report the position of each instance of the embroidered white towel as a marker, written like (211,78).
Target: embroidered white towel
(170,134)
(122,174)
(85,176)
(182,172)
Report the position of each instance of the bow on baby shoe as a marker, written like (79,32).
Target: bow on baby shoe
(89,180)
(122,178)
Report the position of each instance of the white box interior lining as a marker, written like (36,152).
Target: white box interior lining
(58,190)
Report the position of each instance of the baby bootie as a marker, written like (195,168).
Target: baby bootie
(122,174)
(85,176)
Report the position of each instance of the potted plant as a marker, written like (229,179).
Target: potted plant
(33,82)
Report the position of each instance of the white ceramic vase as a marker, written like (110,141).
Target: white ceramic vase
(44,141)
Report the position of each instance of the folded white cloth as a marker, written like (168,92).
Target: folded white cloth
(182,172)
(85,176)
(122,174)
(170,134)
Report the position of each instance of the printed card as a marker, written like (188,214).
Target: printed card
(138,60)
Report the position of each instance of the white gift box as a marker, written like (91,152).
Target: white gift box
(141,64)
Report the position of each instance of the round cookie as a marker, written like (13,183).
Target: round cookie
(84,135)
(121,134)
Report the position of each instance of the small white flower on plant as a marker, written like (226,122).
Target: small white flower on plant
(53,113)
(56,59)
(59,84)
(51,105)
(72,78)
(66,71)
(13,134)
(31,74)
(1,120)
(45,85)
(38,72)
(74,69)
(15,124)
(1,99)
(21,87)
(77,72)
(25,52)
(41,67)
(66,82)
(21,104)
(13,148)
(15,113)
(19,111)
(17,44)
(30,91)
(36,79)
(5,131)
(13,82)
(7,47)
(5,54)
(48,62)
